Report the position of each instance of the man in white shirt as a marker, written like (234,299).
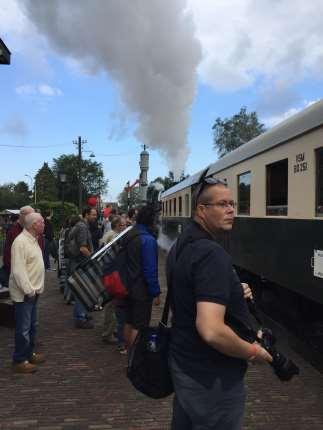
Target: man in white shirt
(25,284)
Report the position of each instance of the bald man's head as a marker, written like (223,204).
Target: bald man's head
(34,223)
(24,211)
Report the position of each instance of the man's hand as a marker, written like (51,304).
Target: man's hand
(85,251)
(262,356)
(156,301)
(247,293)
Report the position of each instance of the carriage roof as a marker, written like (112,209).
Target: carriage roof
(301,123)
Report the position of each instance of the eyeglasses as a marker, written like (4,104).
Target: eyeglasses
(203,183)
(222,205)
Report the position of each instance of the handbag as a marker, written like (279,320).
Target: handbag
(86,285)
(86,281)
(148,368)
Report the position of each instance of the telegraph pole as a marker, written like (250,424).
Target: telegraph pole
(79,143)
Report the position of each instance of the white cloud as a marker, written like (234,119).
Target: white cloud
(22,38)
(47,90)
(40,89)
(245,41)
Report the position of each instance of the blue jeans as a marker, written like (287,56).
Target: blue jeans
(79,311)
(26,328)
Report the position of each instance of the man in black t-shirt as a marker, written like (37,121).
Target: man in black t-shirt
(208,359)
(80,237)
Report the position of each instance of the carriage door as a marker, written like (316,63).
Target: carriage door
(319,182)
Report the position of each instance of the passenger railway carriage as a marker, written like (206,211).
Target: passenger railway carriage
(277,182)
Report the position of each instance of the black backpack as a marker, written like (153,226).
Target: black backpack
(71,249)
(148,368)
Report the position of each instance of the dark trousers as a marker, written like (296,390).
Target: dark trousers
(46,254)
(121,320)
(204,402)
(26,328)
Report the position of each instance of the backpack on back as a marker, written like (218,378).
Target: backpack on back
(71,249)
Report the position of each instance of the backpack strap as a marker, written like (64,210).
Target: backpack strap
(177,251)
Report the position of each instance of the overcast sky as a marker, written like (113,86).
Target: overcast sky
(124,73)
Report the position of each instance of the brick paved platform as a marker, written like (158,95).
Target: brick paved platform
(83,385)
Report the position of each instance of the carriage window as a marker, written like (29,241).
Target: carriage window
(244,193)
(319,182)
(277,188)
(179,206)
(174,207)
(187,205)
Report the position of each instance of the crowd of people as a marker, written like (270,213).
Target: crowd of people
(207,359)
(27,260)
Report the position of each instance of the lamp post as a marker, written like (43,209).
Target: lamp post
(33,187)
(63,180)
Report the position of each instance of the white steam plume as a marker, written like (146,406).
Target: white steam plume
(147,46)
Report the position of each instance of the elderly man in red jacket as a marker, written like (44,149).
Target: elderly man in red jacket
(13,232)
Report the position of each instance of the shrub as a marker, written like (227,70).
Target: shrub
(56,209)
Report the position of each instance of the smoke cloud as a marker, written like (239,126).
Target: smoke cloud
(147,47)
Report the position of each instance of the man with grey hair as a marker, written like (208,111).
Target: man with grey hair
(13,232)
(25,284)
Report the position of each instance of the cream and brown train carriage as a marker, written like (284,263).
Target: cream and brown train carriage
(277,182)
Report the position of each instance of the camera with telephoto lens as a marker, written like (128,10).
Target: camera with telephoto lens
(284,368)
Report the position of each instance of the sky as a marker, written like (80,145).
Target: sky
(123,73)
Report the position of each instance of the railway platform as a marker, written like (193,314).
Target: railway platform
(83,385)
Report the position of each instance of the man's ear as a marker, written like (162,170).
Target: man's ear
(199,211)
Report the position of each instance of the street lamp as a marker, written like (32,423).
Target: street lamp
(33,187)
(63,180)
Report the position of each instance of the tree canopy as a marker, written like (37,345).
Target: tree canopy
(134,199)
(46,184)
(14,196)
(93,182)
(230,133)
(169,181)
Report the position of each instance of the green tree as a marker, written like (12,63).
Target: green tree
(230,133)
(131,201)
(21,194)
(59,214)
(169,181)
(7,196)
(46,184)
(14,196)
(93,182)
